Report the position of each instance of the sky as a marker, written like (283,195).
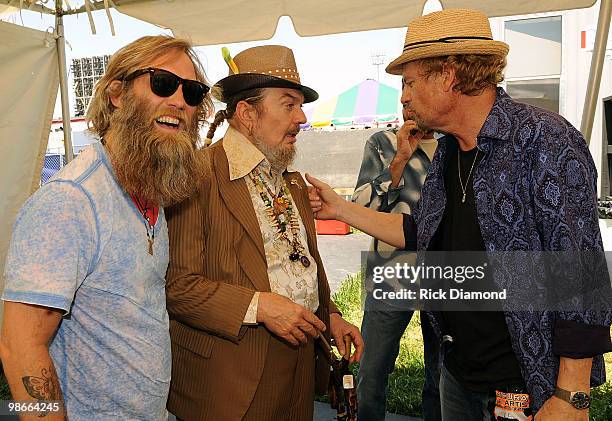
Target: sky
(329,64)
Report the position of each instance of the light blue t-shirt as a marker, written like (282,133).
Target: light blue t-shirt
(80,244)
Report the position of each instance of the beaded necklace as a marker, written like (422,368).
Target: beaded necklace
(280,211)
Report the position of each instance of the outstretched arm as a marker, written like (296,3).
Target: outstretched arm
(326,204)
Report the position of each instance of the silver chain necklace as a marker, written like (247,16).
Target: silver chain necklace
(464,187)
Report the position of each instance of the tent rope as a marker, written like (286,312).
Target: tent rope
(108,14)
(90,17)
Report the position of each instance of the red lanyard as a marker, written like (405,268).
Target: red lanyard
(148,211)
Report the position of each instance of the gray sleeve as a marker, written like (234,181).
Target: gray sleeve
(374,180)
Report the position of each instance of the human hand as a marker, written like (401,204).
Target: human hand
(286,319)
(408,137)
(324,201)
(339,328)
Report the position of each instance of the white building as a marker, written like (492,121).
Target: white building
(548,65)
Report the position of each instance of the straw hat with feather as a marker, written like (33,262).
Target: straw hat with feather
(267,66)
(448,32)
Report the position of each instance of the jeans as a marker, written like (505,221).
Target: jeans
(381,332)
(459,403)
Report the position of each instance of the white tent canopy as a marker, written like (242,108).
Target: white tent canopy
(209,22)
(217,22)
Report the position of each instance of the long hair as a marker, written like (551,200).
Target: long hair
(474,72)
(132,57)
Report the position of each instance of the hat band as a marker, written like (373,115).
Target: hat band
(445,40)
(272,82)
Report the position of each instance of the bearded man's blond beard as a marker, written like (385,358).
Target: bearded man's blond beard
(164,168)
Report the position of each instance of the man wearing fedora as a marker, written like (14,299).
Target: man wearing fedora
(506,177)
(248,298)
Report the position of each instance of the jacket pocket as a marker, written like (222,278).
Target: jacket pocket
(196,341)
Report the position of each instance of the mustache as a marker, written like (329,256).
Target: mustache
(407,107)
(294,132)
(164,168)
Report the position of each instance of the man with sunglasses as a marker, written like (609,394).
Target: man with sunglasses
(250,311)
(85,318)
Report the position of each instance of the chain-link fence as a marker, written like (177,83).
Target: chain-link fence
(53,163)
(55,159)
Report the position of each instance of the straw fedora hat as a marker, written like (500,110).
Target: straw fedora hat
(267,66)
(448,32)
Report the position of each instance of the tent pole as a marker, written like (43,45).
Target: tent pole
(63,79)
(597,62)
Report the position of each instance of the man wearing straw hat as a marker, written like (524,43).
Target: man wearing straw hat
(506,177)
(247,294)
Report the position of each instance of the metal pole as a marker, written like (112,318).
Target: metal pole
(606,151)
(597,62)
(63,79)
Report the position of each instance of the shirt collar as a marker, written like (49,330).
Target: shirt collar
(496,125)
(242,155)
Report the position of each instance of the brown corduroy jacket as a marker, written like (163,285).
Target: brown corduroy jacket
(217,262)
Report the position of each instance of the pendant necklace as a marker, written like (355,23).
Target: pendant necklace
(464,187)
(280,211)
(144,211)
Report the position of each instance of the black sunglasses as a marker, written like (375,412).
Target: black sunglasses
(165,84)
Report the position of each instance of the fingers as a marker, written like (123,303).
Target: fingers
(314,321)
(290,321)
(342,330)
(407,128)
(410,132)
(408,137)
(310,329)
(299,336)
(357,340)
(346,342)
(289,337)
(340,344)
(315,182)
(315,200)
(312,193)
(299,333)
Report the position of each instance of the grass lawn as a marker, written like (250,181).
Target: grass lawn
(5,393)
(406,381)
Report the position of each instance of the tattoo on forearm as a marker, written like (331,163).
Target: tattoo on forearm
(45,388)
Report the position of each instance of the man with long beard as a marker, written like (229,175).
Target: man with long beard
(85,318)
(247,294)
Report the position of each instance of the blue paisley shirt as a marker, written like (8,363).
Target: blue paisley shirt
(535,190)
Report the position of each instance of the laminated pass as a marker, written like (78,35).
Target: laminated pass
(510,406)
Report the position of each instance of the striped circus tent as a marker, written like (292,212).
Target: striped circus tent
(364,104)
